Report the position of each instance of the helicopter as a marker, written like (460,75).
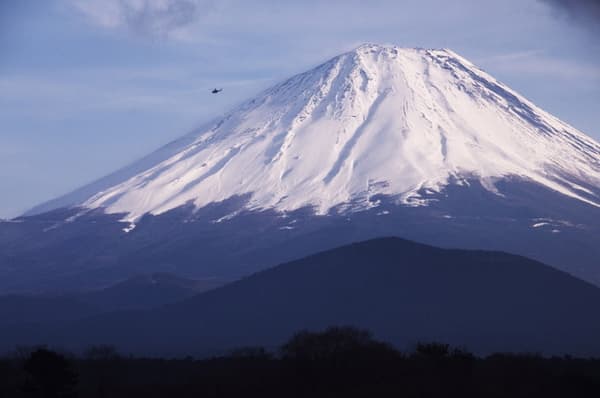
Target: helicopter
(216,90)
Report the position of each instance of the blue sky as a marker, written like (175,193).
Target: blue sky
(87,86)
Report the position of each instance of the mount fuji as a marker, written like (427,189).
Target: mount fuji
(379,141)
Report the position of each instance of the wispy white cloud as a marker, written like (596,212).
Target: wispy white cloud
(537,63)
(149,18)
(62,95)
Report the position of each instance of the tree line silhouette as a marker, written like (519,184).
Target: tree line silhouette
(340,361)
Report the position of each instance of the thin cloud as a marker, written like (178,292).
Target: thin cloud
(148,18)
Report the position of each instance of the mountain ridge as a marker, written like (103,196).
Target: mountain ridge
(401,290)
(138,292)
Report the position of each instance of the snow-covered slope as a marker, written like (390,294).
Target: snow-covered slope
(376,120)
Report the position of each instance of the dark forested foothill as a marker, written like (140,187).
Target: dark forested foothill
(340,361)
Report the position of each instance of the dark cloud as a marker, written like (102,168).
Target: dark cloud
(583,12)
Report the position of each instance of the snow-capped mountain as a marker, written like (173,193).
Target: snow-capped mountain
(379,141)
(376,120)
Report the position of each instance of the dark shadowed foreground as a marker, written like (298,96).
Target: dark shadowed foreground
(344,362)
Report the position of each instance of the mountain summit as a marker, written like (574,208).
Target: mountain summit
(378,120)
